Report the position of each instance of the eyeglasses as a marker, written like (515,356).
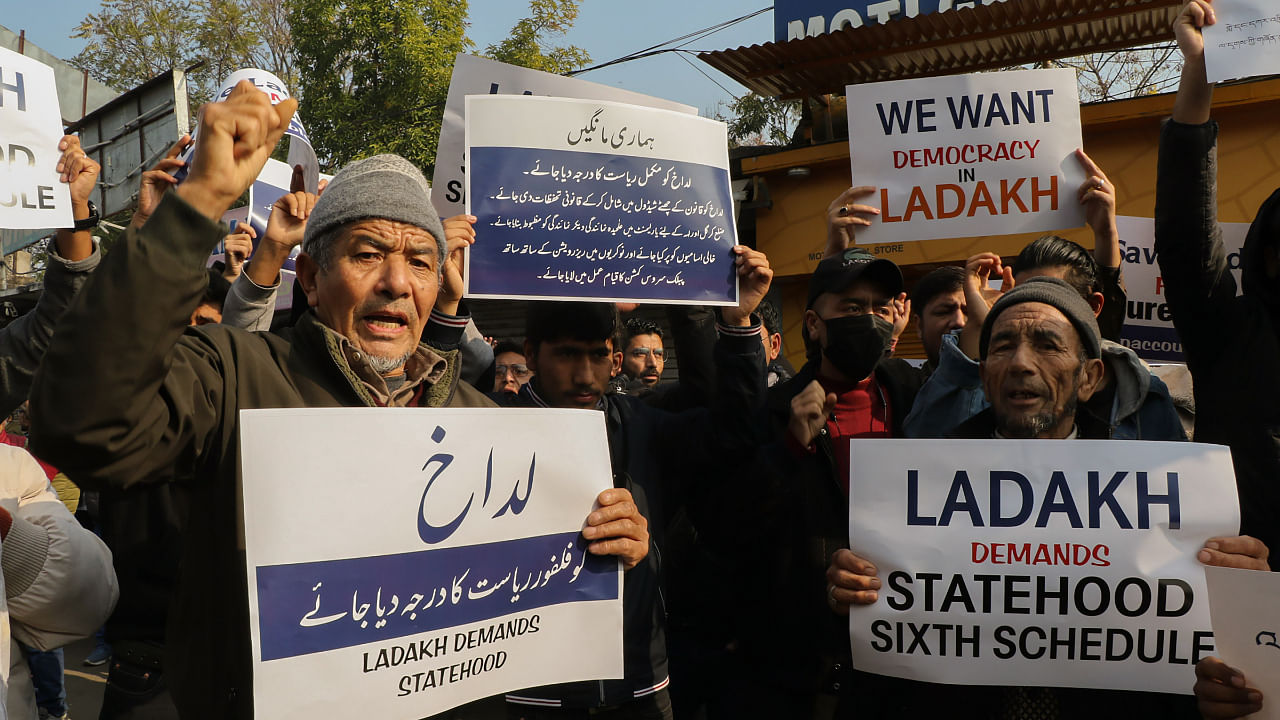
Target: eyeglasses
(519,370)
(644,352)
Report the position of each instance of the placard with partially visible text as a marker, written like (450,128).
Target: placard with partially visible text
(592,200)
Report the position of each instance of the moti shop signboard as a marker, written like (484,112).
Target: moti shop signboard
(794,19)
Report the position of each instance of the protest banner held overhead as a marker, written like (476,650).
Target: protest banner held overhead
(1246,625)
(1148,325)
(433,572)
(591,200)
(1058,563)
(1244,42)
(31,195)
(300,150)
(481,76)
(968,155)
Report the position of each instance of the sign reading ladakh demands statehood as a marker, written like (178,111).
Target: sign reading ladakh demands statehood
(1061,563)
(1148,326)
(436,570)
(593,200)
(967,155)
(481,76)
(31,195)
(1244,42)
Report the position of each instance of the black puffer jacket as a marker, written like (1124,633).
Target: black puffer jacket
(1231,343)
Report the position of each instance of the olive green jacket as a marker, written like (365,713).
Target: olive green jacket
(129,394)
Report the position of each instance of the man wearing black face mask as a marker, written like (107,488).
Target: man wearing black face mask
(796,649)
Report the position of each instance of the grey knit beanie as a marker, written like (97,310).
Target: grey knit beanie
(382,186)
(1050,291)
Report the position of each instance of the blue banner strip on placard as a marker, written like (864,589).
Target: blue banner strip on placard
(555,223)
(1152,343)
(312,607)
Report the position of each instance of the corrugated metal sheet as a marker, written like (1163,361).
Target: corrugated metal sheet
(1002,35)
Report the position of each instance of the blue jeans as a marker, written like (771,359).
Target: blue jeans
(46,676)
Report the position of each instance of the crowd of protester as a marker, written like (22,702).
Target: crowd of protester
(137,364)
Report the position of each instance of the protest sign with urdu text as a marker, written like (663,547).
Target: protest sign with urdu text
(432,558)
(31,194)
(481,76)
(1148,325)
(1245,40)
(1059,563)
(592,200)
(967,155)
(1246,623)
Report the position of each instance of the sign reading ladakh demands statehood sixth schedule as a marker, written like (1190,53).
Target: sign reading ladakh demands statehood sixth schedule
(32,197)
(593,200)
(420,566)
(481,76)
(1060,563)
(967,155)
(1245,40)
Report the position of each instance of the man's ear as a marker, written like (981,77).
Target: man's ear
(307,271)
(811,320)
(775,346)
(1091,373)
(1095,302)
(617,364)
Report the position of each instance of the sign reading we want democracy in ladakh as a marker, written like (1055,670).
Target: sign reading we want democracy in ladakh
(438,570)
(968,155)
(1060,563)
(597,200)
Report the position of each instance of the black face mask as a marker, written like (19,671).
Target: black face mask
(855,345)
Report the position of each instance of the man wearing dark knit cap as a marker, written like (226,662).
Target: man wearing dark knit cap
(128,394)
(1041,359)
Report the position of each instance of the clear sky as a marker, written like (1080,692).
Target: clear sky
(606,28)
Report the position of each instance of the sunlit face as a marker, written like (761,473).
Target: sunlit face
(510,372)
(644,358)
(938,317)
(1033,375)
(206,314)
(379,290)
(571,373)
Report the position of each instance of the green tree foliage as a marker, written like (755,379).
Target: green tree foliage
(757,120)
(132,41)
(375,74)
(528,44)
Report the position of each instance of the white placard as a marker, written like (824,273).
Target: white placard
(430,558)
(1060,563)
(481,76)
(1246,622)
(967,155)
(1245,40)
(32,197)
(1148,325)
(300,150)
(596,200)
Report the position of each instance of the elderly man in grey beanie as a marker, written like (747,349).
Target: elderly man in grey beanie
(128,394)
(1041,359)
